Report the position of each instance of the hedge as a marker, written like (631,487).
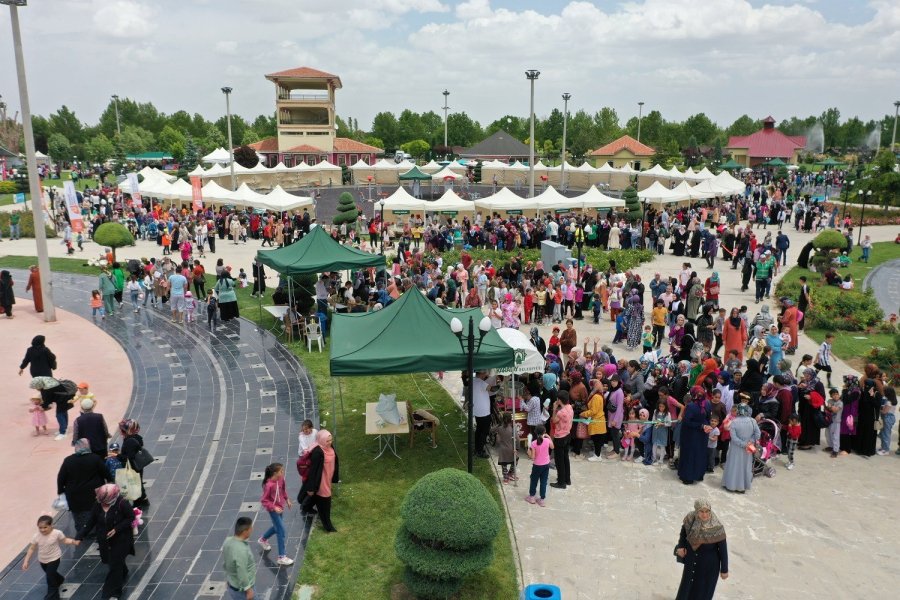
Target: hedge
(26,224)
(836,309)
(598,257)
(449,522)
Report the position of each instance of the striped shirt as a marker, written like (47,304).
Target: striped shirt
(825,354)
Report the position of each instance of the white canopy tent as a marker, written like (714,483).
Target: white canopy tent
(594,198)
(656,192)
(456,167)
(704,174)
(655,171)
(219,155)
(505,200)
(198,171)
(401,200)
(215,193)
(450,202)
(444,174)
(674,173)
(280,200)
(528,359)
(431,167)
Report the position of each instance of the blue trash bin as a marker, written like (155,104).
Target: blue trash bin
(541,591)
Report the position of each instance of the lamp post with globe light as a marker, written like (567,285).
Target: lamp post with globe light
(227,91)
(470,345)
(531,75)
(562,167)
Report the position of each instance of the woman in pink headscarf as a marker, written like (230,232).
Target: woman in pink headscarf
(315,495)
(511,312)
(112,517)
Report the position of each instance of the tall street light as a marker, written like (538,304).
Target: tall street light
(562,168)
(470,345)
(894,135)
(640,116)
(227,91)
(846,193)
(862,215)
(37,208)
(531,75)
(446,108)
(118,126)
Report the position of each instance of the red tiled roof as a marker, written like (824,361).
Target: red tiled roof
(768,143)
(267,145)
(624,142)
(306,149)
(305,72)
(348,145)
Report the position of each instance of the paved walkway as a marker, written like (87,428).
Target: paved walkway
(215,409)
(885,283)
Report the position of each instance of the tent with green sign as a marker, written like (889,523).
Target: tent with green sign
(317,252)
(410,335)
(450,204)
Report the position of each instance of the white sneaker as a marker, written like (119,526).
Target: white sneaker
(790,466)
(59,436)
(882,453)
(264,544)
(284,561)
(595,459)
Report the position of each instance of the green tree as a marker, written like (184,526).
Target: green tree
(168,138)
(191,154)
(177,151)
(246,157)
(65,122)
(60,147)
(549,150)
(347,212)
(136,140)
(580,137)
(99,148)
(632,202)
(386,128)
(374,141)
(550,128)
(416,148)
(410,126)
(265,125)
(113,235)
(606,126)
(433,124)
(700,127)
(439,553)
(343,127)
(40,126)
(718,156)
(211,139)
(462,130)
(744,125)
(238,127)
(831,124)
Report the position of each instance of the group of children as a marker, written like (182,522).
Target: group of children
(139,296)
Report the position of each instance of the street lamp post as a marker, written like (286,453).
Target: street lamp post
(862,215)
(846,194)
(470,345)
(118,126)
(227,91)
(562,168)
(446,108)
(640,116)
(894,135)
(531,75)
(37,208)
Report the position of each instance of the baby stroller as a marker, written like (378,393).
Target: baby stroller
(767,448)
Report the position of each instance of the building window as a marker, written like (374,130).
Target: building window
(637,165)
(342,159)
(365,158)
(354,158)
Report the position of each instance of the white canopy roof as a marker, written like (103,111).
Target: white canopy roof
(674,173)
(357,165)
(550,199)
(324,165)
(198,171)
(304,167)
(383,165)
(431,167)
(607,168)
(216,170)
(657,192)
(402,200)
(244,196)
(219,155)
(517,166)
(258,168)
(704,174)
(627,169)
(280,200)
(505,199)
(528,359)
(727,182)
(594,198)
(213,192)
(181,190)
(494,164)
(584,167)
(455,166)
(450,201)
(404,165)
(279,168)
(655,171)
(540,167)
(444,173)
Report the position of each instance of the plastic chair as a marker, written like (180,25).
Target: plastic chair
(313,334)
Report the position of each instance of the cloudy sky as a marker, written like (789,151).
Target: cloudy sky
(721,57)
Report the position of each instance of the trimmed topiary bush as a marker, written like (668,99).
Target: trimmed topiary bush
(632,202)
(113,235)
(449,525)
(830,239)
(346,209)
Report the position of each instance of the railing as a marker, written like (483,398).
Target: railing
(315,97)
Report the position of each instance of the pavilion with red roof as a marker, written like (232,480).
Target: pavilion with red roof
(304,107)
(764,145)
(623,151)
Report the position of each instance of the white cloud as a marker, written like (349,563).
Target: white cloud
(124,19)
(226,47)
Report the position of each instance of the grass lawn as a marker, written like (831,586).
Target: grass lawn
(846,345)
(80,185)
(359,560)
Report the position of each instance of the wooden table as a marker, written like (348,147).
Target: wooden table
(387,433)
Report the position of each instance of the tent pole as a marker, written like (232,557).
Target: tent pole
(334,431)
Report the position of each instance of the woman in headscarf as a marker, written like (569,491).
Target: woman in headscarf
(694,298)
(694,437)
(725,385)
(710,366)
(53,392)
(850,396)
(473,300)
(789,323)
(676,335)
(38,358)
(34,286)
(773,340)
(706,328)
(763,319)
(596,413)
(7,298)
(112,515)
(738,473)
(688,341)
(315,495)
(228,305)
(734,334)
(752,379)
(768,407)
(79,475)
(810,434)
(635,313)
(713,287)
(538,341)
(869,408)
(132,442)
(703,550)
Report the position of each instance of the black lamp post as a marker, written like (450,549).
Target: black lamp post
(846,193)
(470,345)
(862,215)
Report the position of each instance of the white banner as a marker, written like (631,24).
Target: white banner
(72,206)
(135,189)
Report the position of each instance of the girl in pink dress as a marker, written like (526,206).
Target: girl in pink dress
(630,430)
(511,312)
(38,417)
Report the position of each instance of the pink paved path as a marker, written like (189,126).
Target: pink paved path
(29,464)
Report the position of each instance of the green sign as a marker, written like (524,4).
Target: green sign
(449,212)
(400,212)
(561,211)
(514,212)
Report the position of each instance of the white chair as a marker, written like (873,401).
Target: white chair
(313,334)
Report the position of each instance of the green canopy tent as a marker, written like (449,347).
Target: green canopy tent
(731,165)
(415,175)
(775,162)
(830,162)
(317,252)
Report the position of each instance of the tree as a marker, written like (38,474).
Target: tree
(550,128)
(347,212)
(238,127)
(246,157)
(700,127)
(113,235)
(41,129)
(580,136)
(606,126)
(744,125)
(439,553)
(265,126)
(60,147)
(717,153)
(191,154)
(410,126)
(462,131)
(99,149)
(831,124)
(386,128)
(212,138)
(632,202)
(136,140)
(65,122)
(433,124)
(168,138)
(515,126)
(416,148)
(374,141)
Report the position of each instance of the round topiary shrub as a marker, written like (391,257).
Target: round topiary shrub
(830,239)
(449,525)
(113,235)
(346,209)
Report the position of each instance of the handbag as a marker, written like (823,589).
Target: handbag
(142,459)
(129,482)
(819,419)
(678,559)
(581,431)
(60,503)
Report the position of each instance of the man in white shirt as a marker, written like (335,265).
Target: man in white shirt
(481,410)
